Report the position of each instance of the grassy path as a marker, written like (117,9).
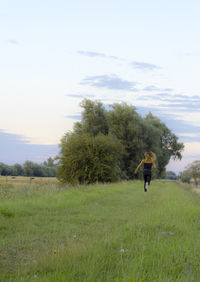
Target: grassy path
(109,233)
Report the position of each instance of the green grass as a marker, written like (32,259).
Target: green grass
(99,233)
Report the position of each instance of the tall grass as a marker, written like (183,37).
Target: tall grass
(110,232)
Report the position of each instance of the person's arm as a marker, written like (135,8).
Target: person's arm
(154,165)
(136,170)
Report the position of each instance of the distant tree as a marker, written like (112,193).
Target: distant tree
(171,175)
(185,176)
(194,170)
(5,169)
(48,169)
(49,162)
(28,168)
(17,170)
(88,159)
(38,170)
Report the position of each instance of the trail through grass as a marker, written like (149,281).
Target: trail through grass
(112,232)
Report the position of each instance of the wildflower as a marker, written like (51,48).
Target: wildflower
(54,251)
(74,236)
(163,232)
(170,233)
(122,251)
(188,261)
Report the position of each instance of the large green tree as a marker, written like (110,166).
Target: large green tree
(123,125)
(127,126)
(163,142)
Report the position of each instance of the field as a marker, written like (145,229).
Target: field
(21,180)
(113,232)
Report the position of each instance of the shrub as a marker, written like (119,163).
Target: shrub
(89,159)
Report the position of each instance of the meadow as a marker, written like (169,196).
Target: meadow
(111,232)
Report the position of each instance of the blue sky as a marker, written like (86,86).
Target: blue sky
(55,53)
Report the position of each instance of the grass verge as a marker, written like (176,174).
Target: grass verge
(112,232)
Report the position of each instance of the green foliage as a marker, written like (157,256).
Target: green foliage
(163,142)
(127,126)
(193,170)
(89,159)
(185,176)
(5,169)
(93,119)
(17,170)
(135,134)
(47,169)
(171,175)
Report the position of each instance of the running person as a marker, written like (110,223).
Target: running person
(148,162)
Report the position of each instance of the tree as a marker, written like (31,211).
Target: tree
(49,162)
(171,175)
(17,169)
(165,145)
(28,168)
(5,169)
(88,159)
(135,134)
(194,170)
(93,118)
(185,176)
(127,126)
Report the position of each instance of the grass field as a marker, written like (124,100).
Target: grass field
(112,232)
(21,180)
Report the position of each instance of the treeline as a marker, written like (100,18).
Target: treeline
(46,169)
(191,173)
(107,145)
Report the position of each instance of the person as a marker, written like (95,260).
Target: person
(148,162)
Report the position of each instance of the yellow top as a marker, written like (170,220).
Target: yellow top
(149,158)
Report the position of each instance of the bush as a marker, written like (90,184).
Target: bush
(185,176)
(89,159)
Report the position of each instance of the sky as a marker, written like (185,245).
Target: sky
(53,54)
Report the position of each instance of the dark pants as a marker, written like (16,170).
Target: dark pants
(147,178)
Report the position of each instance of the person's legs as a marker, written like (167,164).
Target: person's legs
(145,183)
(149,179)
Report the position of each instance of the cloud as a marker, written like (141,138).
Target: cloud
(182,103)
(144,66)
(75,96)
(110,82)
(91,54)
(190,136)
(183,106)
(13,41)
(15,149)
(97,54)
(188,132)
(82,96)
(176,101)
(151,88)
(76,117)
(155,88)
